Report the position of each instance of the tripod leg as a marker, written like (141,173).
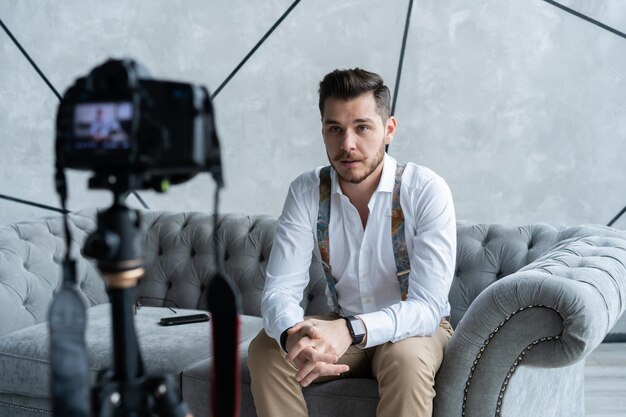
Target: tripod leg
(167,399)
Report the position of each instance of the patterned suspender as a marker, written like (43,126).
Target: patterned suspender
(397,234)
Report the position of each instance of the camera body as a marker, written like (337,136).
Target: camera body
(135,132)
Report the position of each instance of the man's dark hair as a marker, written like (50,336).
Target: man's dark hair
(351,83)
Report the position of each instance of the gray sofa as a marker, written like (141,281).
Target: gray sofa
(528,305)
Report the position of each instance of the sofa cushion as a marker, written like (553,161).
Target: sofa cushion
(24,362)
(357,396)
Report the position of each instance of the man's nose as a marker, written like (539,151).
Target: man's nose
(348,141)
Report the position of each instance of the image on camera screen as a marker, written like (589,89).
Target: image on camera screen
(102,125)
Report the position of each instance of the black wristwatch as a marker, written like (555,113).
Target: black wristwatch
(356,329)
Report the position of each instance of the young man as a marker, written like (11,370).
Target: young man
(387,237)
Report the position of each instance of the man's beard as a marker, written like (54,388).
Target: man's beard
(354,177)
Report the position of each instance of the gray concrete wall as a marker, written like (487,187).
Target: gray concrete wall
(519,105)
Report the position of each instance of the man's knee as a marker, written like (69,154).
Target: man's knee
(408,363)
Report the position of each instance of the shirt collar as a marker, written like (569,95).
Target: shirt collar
(387,179)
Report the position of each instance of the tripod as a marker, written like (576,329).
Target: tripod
(126,391)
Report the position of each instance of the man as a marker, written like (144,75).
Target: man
(387,323)
(102,129)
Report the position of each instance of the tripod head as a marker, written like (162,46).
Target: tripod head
(115,245)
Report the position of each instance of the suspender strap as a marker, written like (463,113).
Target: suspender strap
(323,218)
(397,234)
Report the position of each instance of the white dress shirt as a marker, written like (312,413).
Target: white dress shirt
(362,260)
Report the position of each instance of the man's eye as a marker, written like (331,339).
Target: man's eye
(363,128)
(334,129)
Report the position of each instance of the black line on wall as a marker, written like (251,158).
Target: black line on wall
(258,44)
(141,200)
(56,93)
(587,18)
(605,27)
(41,74)
(617,216)
(400,62)
(30,203)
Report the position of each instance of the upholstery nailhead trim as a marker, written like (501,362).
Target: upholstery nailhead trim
(515,364)
(25,408)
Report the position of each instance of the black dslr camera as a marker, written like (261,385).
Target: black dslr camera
(136,132)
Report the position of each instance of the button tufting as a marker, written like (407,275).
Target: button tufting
(193,252)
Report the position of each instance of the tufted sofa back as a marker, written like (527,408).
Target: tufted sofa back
(179,261)
(30,268)
(178,258)
(487,253)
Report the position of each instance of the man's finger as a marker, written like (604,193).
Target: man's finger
(312,376)
(305,370)
(315,355)
(311,330)
(306,327)
(295,328)
(295,350)
(323,369)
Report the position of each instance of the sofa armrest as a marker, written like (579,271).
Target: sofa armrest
(550,314)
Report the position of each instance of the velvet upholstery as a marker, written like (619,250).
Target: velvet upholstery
(528,305)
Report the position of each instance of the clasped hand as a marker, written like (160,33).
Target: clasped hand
(314,346)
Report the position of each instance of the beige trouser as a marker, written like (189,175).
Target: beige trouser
(405,372)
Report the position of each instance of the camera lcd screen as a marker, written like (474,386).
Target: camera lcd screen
(102,125)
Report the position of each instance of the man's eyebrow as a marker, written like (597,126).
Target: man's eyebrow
(355,121)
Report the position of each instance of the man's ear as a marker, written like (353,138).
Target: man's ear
(390,129)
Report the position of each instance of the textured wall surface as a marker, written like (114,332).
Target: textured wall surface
(518,105)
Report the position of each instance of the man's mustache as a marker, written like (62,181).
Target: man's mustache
(343,156)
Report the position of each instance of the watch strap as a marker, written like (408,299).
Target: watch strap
(357,338)
(283,339)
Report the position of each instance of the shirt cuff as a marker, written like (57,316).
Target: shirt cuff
(379,328)
(275,329)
